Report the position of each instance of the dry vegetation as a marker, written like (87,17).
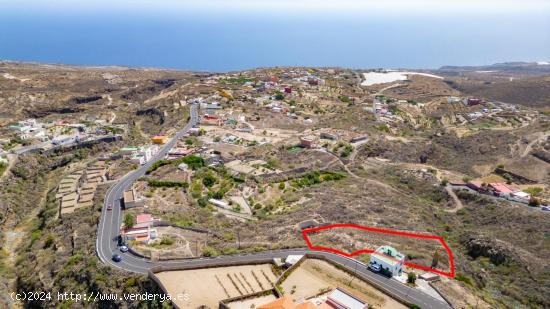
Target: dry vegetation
(499,248)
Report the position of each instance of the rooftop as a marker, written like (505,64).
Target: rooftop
(389,255)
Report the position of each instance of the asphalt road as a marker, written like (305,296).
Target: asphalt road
(110,221)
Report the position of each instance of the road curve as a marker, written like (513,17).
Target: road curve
(109,229)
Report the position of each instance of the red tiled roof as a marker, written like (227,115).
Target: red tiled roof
(500,187)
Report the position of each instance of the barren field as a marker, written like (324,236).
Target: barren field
(416,250)
(315,276)
(252,303)
(208,286)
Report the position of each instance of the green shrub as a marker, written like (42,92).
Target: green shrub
(463,278)
(3,167)
(129,220)
(209,252)
(344,99)
(209,180)
(167,241)
(156,165)
(167,183)
(534,191)
(193,161)
(411,277)
(316,177)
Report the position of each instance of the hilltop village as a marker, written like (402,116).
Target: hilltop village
(242,163)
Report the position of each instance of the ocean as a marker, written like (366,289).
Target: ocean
(232,41)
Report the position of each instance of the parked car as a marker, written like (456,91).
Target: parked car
(374,267)
(545,208)
(123,249)
(117,258)
(110,207)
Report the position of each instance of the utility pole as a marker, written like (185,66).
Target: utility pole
(239,238)
(354,273)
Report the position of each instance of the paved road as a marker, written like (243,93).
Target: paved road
(109,225)
(110,221)
(496,198)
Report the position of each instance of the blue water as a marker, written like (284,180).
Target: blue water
(233,41)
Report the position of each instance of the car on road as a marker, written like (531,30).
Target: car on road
(123,249)
(110,207)
(374,267)
(545,208)
(117,258)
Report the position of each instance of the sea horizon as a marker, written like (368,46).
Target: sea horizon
(202,41)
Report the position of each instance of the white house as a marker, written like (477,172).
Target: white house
(520,196)
(387,258)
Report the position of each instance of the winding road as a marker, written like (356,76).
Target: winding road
(110,222)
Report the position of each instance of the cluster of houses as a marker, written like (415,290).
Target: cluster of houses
(143,230)
(501,190)
(62,132)
(139,155)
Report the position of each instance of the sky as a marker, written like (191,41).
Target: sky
(335,6)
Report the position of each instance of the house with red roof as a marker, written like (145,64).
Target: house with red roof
(500,189)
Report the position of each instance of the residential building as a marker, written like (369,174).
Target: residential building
(127,150)
(306,141)
(214,120)
(340,299)
(327,135)
(176,153)
(131,200)
(144,220)
(159,139)
(337,299)
(65,140)
(388,260)
(359,138)
(142,154)
(453,99)
(472,101)
(500,189)
(286,302)
(138,158)
(520,196)
(194,131)
(141,234)
(293,259)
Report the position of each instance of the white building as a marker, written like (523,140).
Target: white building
(520,196)
(342,299)
(453,100)
(388,259)
(143,154)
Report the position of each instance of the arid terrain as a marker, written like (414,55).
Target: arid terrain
(464,156)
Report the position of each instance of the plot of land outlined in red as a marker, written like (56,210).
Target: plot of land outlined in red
(440,239)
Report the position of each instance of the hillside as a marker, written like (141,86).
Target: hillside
(275,147)
(529,91)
